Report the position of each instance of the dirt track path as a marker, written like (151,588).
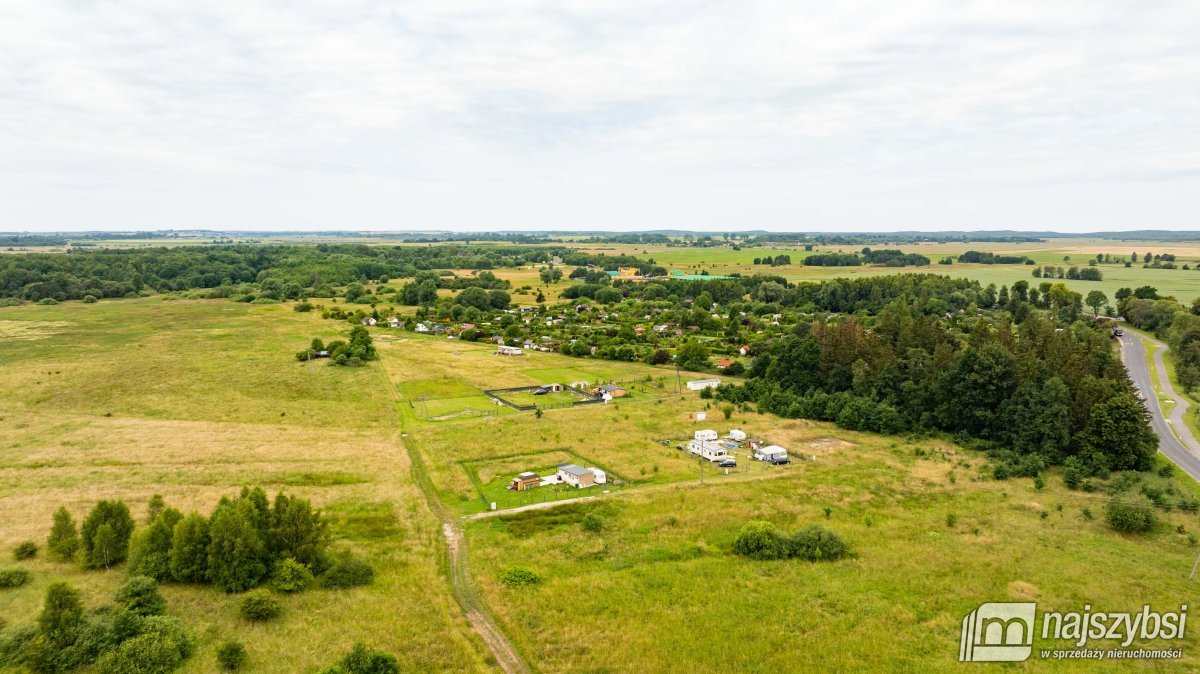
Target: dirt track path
(458,566)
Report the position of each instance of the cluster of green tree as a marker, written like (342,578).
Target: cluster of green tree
(483,291)
(764,541)
(774,261)
(833,260)
(21,240)
(243,543)
(892,257)
(1032,392)
(890,238)
(357,351)
(652,238)
(132,635)
(979,257)
(506,237)
(280,271)
(1072,273)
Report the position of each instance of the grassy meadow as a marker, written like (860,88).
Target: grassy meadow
(194,399)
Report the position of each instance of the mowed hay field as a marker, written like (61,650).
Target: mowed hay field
(192,400)
(1183,284)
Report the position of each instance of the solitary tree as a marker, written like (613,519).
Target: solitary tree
(64,536)
(1095,300)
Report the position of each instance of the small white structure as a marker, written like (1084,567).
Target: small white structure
(708,436)
(699,416)
(708,450)
(503,350)
(577,476)
(737,435)
(770,453)
(698,384)
(394,322)
(421,327)
(599,476)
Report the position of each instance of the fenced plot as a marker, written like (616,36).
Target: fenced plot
(448,398)
(491,478)
(528,398)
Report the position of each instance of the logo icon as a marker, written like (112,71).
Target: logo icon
(997,632)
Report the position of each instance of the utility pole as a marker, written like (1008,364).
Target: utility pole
(1194,564)
(700,459)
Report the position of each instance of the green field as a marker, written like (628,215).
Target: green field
(194,399)
(1183,284)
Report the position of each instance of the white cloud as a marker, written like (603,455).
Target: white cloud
(548,114)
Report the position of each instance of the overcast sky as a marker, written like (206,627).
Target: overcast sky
(1073,115)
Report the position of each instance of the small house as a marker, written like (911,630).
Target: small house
(421,327)
(525,481)
(368,321)
(576,476)
(699,384)
(770,453)
(394,322)
(744,350)
(722,364)
(613,391)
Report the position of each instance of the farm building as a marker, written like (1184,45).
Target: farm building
(525,481)
(698,384)
(576,476)
(613,391)
(722,364)
(548,388)
(394,322)
(737,435)
(707,436)
(770,453)
(502,350)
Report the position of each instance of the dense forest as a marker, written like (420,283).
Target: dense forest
(1040,391)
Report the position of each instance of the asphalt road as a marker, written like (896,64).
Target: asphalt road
(1134,355)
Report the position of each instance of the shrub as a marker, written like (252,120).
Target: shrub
(761,540)
(345,570)
(161,647)
(47,301)
(363,660)
(89,299)
(1130,513)
(139,595)
(231,655)
(14,577)
(519,576)
(291,576)
(815,543)
(592,522)
(259,607)
(26,550)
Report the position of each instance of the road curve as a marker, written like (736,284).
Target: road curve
(1134,355)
